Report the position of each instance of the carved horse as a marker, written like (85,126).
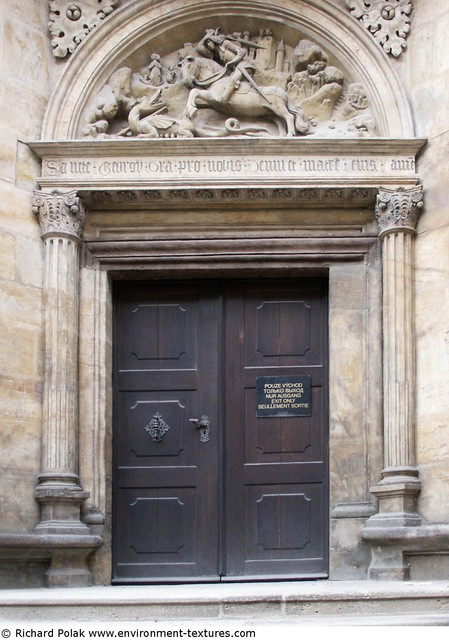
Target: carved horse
(245,101)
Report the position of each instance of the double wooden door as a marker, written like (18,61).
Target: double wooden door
(204,488)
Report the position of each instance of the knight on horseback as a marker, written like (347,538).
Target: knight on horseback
(228,52)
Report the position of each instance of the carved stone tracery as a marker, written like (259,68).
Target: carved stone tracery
(70,21)
(238,84)
(387,20)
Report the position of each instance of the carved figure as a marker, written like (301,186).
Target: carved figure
(147,120)
(245,100)
(121,94)
(232,85)
(155,70)
(356,110)
(226,51)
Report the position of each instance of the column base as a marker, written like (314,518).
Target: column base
(397,493)
(386,531)
(60,497)
(388,564)
(66,555)
(392,546)
(68,567)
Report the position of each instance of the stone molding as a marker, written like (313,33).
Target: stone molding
(137,164)
(59,213)
(172,198)
(387,20)
(398,209)
(70,22)
(391,544)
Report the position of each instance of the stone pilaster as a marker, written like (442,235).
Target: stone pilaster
(397,213)
(61,216)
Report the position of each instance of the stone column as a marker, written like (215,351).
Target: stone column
(61,216)
(397,212)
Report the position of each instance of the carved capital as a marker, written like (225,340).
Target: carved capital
(398,209)
(387,20)
(59,213)
(70,22)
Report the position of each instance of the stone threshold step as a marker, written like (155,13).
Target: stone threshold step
(291,602)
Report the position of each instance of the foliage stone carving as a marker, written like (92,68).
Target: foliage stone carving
(70,22)
(59,213)
(398,209)
(388,21)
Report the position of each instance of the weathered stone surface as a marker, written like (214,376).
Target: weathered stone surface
(352,556)
(7,255)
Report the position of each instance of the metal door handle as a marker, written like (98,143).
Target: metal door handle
(203,424)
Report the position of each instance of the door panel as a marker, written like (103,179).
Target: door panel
(276,488)
(250,501)
(165,480)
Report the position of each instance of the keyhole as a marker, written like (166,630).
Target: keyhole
(388,12)
(73,12)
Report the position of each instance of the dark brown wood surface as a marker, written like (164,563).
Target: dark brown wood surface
(252,501)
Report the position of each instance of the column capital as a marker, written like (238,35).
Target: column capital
(59,213)
(398,209)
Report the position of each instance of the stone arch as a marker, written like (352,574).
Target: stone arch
(123,36)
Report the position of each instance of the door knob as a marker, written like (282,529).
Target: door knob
(203,425)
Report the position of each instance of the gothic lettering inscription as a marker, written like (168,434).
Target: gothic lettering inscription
(205,167)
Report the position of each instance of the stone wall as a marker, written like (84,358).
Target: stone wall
(425,72)
(25,67)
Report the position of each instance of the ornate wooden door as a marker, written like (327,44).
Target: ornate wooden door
(204,489)
(276,481)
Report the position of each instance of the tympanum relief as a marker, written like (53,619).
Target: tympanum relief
(238,84)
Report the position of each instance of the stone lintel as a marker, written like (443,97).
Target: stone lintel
(225,164)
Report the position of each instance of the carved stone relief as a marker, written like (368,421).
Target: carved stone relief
(399,208)
(60,213)
(238,84)
(99,200)
(70,22)
(388,21)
